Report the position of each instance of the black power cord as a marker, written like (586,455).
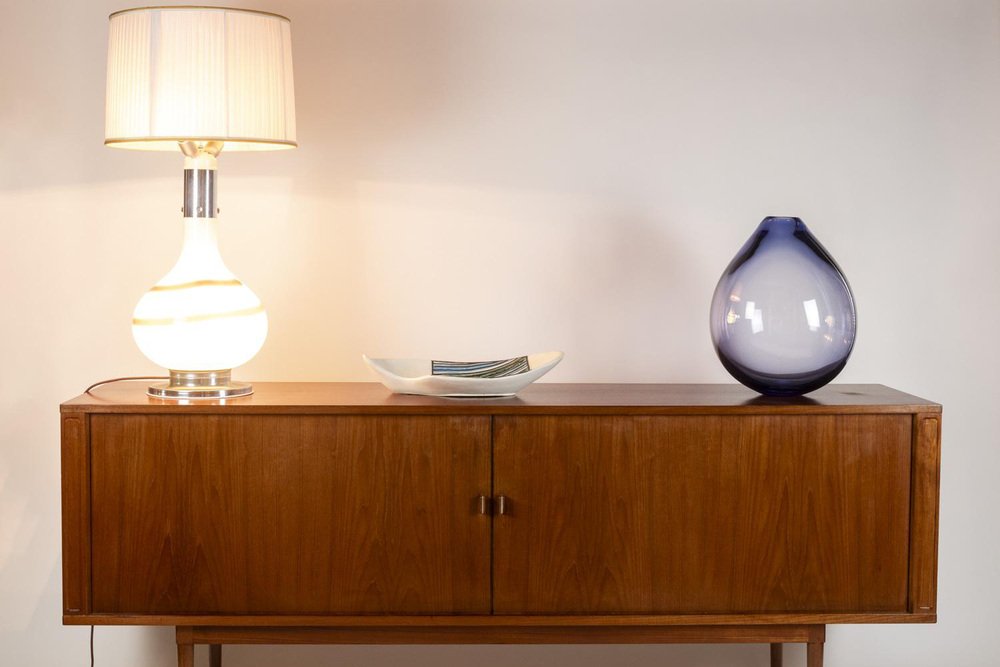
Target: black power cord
(91,646)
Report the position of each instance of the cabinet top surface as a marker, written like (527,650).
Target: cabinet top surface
(543,398)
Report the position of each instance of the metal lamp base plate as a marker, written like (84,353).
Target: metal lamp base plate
(185,385)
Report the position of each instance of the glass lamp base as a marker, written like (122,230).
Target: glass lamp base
(200,384)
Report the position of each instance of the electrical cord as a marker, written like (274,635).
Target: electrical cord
(123,379)
(91,646)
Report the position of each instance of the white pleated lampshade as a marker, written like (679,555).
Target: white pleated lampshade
(199,74)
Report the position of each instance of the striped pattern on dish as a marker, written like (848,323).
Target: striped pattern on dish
(481,369)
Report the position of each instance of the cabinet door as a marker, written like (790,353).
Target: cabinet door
(290,514)
(720,514)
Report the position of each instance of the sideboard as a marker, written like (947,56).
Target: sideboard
(574,513)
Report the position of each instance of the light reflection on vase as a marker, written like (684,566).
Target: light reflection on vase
(783,318)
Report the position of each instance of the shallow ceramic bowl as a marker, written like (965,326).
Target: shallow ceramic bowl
(463,379)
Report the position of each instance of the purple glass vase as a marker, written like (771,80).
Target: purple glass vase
(783,318)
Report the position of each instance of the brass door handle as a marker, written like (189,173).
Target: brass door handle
(485,505)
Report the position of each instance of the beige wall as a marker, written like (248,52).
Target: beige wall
(482,178)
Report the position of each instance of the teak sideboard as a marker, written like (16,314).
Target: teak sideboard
(574,513)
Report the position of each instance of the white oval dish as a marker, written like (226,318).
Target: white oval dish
(428,377)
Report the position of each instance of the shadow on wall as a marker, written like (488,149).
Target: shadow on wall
(368,74)
(423,270)
(637,273)
(507,656)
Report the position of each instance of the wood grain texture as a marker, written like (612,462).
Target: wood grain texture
(500,634)
(548,398)
(814,654)
(702,514)
(279,514)
(185,655)
(924,513)
(75,457)
(343,620)
(185,646)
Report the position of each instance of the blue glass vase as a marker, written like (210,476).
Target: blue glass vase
(783,318)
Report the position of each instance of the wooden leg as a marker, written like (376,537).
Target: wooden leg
(185,655)
(814,654)
(185,647)
(215,655)
(776,655)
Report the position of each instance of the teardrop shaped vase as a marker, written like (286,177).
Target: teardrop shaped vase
(783,318)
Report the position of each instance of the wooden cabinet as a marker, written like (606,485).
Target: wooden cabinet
(728,514)
(278,514)
(574,513)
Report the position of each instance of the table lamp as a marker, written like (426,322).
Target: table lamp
(197,79)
